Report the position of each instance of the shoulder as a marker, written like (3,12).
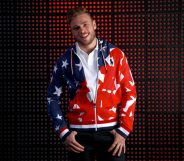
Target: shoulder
(67,55)
(110,46)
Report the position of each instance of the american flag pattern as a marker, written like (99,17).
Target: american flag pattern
(115,101)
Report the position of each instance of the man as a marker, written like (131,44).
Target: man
(102,94)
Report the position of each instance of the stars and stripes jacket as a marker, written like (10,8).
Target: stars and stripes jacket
(115,101)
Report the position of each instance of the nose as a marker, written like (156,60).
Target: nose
(82,30)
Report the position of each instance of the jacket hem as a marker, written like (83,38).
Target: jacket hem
(94,127)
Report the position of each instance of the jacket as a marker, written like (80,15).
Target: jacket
(115,101)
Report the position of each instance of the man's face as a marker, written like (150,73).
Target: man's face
(83,29)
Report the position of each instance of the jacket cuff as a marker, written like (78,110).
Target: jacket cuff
(64,133)
(123,132)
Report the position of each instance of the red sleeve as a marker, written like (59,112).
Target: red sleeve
(128,101)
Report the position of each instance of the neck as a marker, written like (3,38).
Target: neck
(88,48)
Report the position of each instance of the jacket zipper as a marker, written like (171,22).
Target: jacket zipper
(95,117)
(95,110)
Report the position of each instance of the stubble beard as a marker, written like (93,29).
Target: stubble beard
(88,42)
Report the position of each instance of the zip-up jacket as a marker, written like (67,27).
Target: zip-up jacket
(115,100)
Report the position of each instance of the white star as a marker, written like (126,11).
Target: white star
(69,84)
(101,41)
(58,91)
(59,117)
(79,65)
(76,83)
(64,63)
(49,100)
(55,68)
(103,48)
(57,128)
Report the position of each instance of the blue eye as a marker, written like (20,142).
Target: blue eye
(85,25)
(76,28)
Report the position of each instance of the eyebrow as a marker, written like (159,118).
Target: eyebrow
(80,23)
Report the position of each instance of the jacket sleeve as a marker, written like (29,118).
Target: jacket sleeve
(128,99)
(54,94)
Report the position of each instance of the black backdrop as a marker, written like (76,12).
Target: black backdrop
(33,34)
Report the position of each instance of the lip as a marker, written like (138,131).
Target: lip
(85,36)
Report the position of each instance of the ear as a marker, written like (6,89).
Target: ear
(94,24)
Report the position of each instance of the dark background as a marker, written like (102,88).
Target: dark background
(33,34)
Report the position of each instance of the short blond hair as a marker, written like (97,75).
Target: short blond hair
(76,11)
